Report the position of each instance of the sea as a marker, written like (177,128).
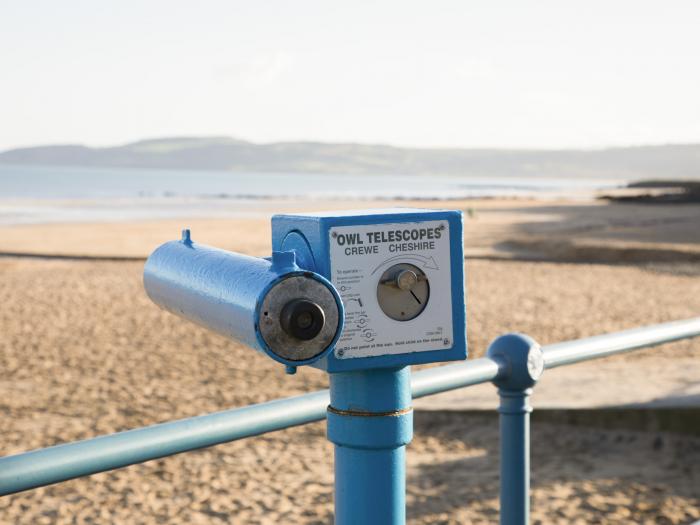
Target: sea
(38,194)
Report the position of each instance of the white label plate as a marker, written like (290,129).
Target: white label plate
(359,255)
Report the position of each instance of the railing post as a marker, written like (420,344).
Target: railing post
(370,421)
(521,364)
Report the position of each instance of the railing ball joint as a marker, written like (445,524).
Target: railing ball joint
(521,363)
(520,359)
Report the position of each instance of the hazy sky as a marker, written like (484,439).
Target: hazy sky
(415,73)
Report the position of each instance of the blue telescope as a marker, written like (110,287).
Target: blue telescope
(293,315)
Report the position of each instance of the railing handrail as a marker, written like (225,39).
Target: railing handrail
(571,352)
(46,466)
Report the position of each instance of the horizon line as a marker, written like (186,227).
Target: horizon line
(355,143)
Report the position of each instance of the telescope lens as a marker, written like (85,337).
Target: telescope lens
(302,319)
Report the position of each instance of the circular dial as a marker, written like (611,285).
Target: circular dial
(403,291)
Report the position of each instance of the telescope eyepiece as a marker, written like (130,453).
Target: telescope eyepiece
(302,319)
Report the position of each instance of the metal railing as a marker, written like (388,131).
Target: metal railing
(514,363)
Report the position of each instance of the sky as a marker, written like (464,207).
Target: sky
(505,74)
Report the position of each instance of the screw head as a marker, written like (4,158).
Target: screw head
(406,279)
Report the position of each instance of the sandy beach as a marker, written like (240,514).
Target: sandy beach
(84,352)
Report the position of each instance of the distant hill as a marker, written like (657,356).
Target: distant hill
(224,153)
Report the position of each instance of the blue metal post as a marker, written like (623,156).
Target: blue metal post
(521,363)
(370,421)
(514,419)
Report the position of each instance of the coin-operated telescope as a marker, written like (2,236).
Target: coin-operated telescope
(342,290)
(359,294)
(271,304)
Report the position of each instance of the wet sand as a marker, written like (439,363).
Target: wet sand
(84,352)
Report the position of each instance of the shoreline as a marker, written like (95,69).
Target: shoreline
(559,230)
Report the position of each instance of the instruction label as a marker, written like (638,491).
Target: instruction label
(360,255)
